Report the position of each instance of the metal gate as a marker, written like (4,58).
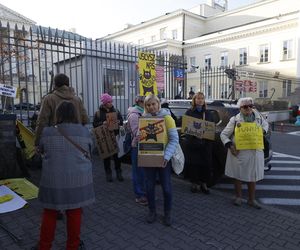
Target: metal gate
(30,58)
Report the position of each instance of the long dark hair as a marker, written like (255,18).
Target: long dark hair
(66,113)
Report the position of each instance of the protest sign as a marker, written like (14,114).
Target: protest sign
(152,142)
(106,142)
(8,91)
(112,121)
(147,74)
(248,135)
(198,127)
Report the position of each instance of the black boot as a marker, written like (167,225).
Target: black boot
(151,216)
(109,177)
(119,175)
(167,218)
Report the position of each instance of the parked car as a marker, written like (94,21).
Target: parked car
(24,106)
(221,112)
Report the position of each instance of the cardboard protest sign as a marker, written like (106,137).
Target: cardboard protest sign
(248,135)
(152,142)
(147,74)
(198,127)
(112,121)
(106,142)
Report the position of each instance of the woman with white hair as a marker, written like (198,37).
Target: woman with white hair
(244,165)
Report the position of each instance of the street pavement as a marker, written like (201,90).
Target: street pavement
(200,221)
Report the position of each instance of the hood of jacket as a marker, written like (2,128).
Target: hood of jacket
(64,92)
(135,109)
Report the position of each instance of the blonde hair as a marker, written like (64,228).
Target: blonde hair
(194,100)
(149,98)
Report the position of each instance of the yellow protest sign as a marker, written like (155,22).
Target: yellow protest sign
(198,127)
(26,139)
(22,187)
(147,74)
(248,135)
(153,138)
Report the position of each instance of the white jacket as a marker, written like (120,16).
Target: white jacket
(248,165)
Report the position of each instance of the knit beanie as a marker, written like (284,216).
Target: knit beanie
(105,98)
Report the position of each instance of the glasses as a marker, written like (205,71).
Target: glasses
(247,106)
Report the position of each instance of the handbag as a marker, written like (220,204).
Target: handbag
(177,160)
(83,151)
(122,141)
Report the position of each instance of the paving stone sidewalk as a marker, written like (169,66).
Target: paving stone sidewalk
(201,221)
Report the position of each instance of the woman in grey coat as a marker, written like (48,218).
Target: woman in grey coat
(66,181)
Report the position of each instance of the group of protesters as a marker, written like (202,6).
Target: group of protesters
(66,145)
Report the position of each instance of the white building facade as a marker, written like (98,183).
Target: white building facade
(261,40)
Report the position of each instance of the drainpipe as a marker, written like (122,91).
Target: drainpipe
(182,53)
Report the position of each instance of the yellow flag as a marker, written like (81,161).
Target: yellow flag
(147,74)
(26,140)
(248,135)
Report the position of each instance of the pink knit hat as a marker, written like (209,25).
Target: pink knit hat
(105,98)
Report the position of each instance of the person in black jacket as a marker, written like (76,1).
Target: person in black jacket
(100,119)
(199,150)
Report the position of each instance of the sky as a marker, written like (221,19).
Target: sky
(95,18)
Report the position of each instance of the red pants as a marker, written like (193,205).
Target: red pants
(49,224)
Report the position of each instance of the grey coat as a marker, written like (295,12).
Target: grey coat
(67,180)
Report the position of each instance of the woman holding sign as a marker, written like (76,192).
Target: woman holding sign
(153,110)
(110,117)
(200,150)
(243,136)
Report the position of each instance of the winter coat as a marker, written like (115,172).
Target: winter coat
(248,165)
(133,115)
(49,104)
(172,134)
(199,151)
(100,117)
(66,180)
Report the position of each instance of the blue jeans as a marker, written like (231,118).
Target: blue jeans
(165,181)
(138,178)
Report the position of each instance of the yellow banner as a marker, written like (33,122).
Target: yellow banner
(198,127)
(21,187)
(147,74)
(26,139)
(248,135)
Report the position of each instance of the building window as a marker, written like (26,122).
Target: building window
(243,56)
(163,34)
(207,62)
(287,49)
(153,38)
(174,34)
(263,88)
(114,82)
(286,88)
(141,41)
(192,64)
(264,53)
(224,59)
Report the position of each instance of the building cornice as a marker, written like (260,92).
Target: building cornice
(24,20)
(236,34)
(150,22)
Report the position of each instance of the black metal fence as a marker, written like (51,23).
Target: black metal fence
(29,59)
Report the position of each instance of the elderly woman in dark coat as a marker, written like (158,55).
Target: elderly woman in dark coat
(200,150)
(66,181)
